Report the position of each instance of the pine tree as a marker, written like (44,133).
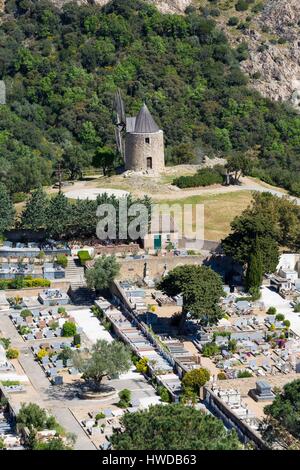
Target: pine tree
(255,270)
(34,215)
(7,211)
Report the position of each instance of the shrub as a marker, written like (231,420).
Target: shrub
(271,311)
(42,353)
(222,376)
(125,397)
(69,329)
(297,308)
(243,374)
(287,323)
(241,5)
(24,330)
(195,379)
(84,256)
(61,310)
(12,353)
(26,313)
(5,342)
(279,317)
(53,325)
(164,394)
(210,350)
(62,260)
(21,282)
(204,177)
(77,340)
(142,365)
(99,416)
(233,21)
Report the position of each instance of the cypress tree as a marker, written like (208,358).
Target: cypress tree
(255,270)
(7,211)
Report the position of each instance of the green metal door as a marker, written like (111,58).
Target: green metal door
(157,242)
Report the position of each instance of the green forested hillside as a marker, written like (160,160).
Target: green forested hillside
(62,68)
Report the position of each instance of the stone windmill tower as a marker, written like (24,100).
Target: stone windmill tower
(140,141)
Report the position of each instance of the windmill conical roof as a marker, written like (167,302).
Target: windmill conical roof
(145,123)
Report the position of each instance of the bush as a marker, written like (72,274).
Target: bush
(84,256)
(222,376)
(233,21)
(297,308)
(26,313)
(241,5)
(287,323)
(62,261)
(42,353)
(5,342)
(77,340)
(69,329)
(24,330)
(195,379)
(12,353)
(210,350)
(243,374)
(125,397)
(164,394)
(271,311)
(99,416)
(61,310)
(279,317)
(142,365)
(20,283)
(204,177)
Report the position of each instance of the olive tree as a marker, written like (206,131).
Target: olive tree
(104,359)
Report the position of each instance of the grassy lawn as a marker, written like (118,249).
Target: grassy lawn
(219,211)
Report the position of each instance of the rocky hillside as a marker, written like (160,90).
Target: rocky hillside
(272,36)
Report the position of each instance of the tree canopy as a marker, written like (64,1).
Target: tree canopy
(173,427)
(104,359)
(103,272)
(285,408)
(201,289)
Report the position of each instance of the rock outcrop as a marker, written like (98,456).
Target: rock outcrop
(274,65)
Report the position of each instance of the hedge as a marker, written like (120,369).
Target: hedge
(84,256)
(21,283)
(205,177)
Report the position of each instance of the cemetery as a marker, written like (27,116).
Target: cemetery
(56,361)
(39,323)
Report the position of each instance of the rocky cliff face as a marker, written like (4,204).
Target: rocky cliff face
(274,45)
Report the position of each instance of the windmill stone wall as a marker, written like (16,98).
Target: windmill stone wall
(144,144)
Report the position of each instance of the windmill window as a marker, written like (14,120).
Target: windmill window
(147,140)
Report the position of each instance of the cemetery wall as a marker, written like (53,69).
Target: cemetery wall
(133,269)
(116,249)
